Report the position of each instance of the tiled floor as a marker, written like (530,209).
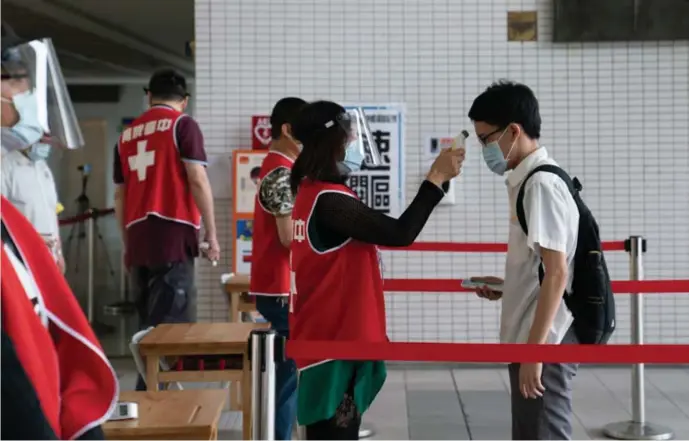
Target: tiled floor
(420,402)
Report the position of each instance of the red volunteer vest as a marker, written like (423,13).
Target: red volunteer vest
(155,178)
(338,293)
(73,380)
(269,258)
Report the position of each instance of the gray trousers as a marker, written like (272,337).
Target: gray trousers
(550,416)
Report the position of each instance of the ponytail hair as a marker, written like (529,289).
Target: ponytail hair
(323,144)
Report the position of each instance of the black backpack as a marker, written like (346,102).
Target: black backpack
(591,300)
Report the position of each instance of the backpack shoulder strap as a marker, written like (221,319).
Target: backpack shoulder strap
(573,186)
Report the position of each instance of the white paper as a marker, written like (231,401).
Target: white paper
(219,169)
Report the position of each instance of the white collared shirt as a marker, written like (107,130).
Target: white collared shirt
(30,187)
(552,218)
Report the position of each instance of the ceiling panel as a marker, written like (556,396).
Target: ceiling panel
(165,23)
(84,53)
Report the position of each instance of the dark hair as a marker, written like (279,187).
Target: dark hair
(323,139)
(255,172)
(284,112)
(506,102)
(167,85)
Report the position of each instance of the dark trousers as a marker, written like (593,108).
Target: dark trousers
(164,294)
(550,416)
(276,310)
(345,424)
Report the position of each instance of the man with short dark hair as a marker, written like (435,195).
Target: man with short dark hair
(508,124)
(270,267)
(161,196)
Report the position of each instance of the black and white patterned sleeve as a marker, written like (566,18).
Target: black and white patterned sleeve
(275,193)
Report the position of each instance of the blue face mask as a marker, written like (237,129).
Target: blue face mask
(354,156)
(38,152)
(28,130)
(492,155)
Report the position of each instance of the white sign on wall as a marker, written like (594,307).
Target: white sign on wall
(382,187)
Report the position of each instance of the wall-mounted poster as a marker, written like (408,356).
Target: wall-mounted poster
(382,187)
(243,235)
(246,167)
(260,132)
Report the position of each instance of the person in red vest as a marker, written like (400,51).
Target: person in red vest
(337,291)
(56,381)
(162,193)
(270,250)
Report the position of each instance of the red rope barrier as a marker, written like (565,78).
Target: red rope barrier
(95,213)
(488,352)
(455,285)
(479,247)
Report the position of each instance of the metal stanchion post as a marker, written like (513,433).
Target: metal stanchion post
(638,428)
(268,387)
(90,231)
(263,345)
(256,342)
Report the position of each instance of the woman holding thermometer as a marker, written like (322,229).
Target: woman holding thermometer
(337,282)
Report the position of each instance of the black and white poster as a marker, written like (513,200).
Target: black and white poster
(382,187)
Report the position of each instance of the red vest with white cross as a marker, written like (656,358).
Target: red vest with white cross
(154,176)
(336,293)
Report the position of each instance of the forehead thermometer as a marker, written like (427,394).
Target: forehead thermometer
(460,140)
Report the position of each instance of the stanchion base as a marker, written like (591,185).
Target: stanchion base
(365,432)
(641,431)
(102,329)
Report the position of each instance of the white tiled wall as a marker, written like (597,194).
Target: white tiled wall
(614,114)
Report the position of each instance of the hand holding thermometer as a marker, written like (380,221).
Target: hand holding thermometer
(205,246)
(460,140)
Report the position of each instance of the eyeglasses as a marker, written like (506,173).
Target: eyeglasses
(484,138)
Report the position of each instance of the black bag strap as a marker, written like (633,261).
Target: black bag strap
(574,188)
(573,184)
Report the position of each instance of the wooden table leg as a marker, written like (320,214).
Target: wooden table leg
(246,398)
(234,307)
(152,369)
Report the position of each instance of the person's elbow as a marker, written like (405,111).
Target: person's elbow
(555,265)
(284,227)
(196,174)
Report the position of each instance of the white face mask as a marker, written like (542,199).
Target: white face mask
(28,130)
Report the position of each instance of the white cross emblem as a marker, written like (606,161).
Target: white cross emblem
(299,230)
(142,160)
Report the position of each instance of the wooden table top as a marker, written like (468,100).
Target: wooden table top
(170,414)
(198,338)
(238,283)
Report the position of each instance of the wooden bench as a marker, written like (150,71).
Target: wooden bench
(219,340)
(237,290)
(174,414)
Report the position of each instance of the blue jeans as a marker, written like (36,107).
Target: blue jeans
(275,310)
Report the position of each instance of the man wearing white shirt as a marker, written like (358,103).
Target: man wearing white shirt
(27,181)
(508,124)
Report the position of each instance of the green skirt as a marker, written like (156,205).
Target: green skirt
(322,388)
